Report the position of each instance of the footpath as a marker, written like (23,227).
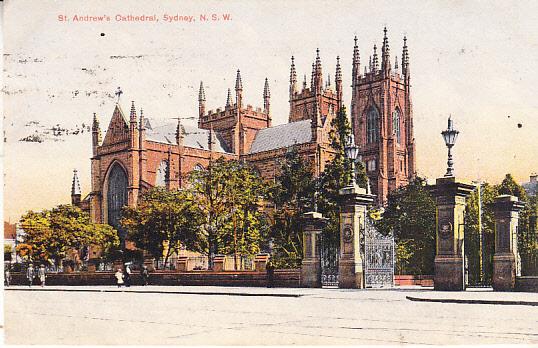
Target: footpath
(406,293)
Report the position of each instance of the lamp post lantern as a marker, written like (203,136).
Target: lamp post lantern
(450,135)
(352,151)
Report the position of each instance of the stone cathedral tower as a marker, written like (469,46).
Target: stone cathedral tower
(382,119)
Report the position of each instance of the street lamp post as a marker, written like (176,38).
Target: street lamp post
(352,151)
(450,135)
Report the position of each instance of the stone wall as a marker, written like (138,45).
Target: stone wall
(289,278)
(527,284)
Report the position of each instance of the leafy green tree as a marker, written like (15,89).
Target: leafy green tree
(472,233)
(337,175)
(162,221)
(410,215)
(292,196)
(51,234)
(227,194)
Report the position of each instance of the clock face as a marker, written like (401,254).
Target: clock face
(348,234)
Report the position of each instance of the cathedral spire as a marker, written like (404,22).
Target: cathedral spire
(356,62)
(293,78)
(238,82)
(201,101)
(266,97)
(375,60)
(229,98)
(132,117)
(385,53)
(318,74)
(75,185)
(304,82)
(405,58)
(238,90)
(338,81)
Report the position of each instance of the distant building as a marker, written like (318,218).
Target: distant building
(138,153)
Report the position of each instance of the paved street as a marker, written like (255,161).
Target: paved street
(228,316)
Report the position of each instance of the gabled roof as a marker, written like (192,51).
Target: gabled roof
(118,128)
(192,137)
(282,136)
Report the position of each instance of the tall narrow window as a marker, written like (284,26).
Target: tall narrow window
(372,125)
(396,125)
(117,197)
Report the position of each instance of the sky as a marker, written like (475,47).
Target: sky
(472,60)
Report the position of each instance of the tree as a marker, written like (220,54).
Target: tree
(472,233)
(227,194)
(50,234)
(162,221)
(8,249)
(292,196)
(410,216)
(337,175)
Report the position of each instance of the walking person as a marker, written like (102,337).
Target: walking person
(270,269)
(30,274)
(119,277)
(127,276)
(41,273)
(145,274)
(7,275)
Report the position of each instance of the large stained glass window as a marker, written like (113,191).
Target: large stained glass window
(116,197)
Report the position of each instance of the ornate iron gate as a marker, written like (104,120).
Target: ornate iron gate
(329,256)
(378,257)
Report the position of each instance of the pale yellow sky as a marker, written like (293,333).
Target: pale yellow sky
(474,60)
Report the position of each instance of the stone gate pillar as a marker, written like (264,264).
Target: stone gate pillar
(353,210)
(311,264)
(449,263)
(505,265)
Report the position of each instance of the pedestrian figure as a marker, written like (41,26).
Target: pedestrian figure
(41,274)
(127,276)
(270,270)
(7,276)
(30,274)
(119,277)
(145,274)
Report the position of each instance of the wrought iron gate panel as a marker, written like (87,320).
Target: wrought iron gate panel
(378,257)
(329,257)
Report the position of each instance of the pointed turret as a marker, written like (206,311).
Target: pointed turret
(312,77)
(385,54)
(356,63)
(229,98)
(405,58)
(238,90)
(318,74)
(370,66)
(304,82)
(132,116)
(375,60)
(266,97)
(293,78)
(338,81)
(96,134)
(396,63)
(76,193)
(201,101)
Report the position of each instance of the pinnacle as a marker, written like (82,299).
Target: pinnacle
(238,83)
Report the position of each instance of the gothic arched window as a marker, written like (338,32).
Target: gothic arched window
(396,125)
(160,179)
(372,125)
(116,197)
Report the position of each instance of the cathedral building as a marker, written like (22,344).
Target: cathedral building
(382,119)
(138,153)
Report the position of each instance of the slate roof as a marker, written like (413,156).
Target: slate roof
(192,137)
(282,136)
